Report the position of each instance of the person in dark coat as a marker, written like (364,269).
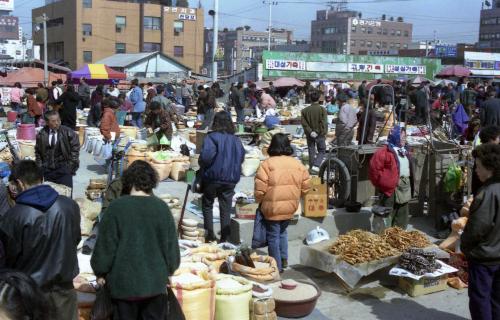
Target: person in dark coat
(480,240)
(487,135)
(70,101)
(137,248)
(57,151)
(371,124)
(362,91)
(41,234)
(158,120)
(220,159)
(490,111)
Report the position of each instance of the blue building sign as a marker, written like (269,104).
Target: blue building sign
(446,51)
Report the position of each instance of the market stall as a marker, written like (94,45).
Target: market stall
(96,74)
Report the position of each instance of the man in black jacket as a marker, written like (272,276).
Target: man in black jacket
(490,110)
(40,235)
(57,151)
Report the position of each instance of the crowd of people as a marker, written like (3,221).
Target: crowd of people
(137,247)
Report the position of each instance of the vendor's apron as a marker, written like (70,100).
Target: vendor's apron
(403,191)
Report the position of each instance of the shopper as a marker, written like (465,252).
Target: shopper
(239,103)
(57,151)
(362,94)
(97,96)
(266,101)
(16,97)
(347,120)
(315,124)
(69,101)
(490,134)
(137,99)
(391,173)
(490,110)
(113,91)
(480,241)
(186,94)
(468,99)
(220,159)
(137,248)
(40,235)
(54,93)
(158,120)
(21,297)
(42,94)
(279,184)
(84,93)
(34,110)
(109,125)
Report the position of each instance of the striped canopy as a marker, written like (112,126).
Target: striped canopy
(98,72)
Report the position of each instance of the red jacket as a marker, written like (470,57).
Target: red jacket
(384,171)
(109,124)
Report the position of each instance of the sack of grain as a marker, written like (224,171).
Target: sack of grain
(196,297)
(267,316)
(233,297)
(261,306)
(179,170)
(250,166)
(266,269)
(162,167)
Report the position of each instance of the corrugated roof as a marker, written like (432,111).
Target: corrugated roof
(123,60)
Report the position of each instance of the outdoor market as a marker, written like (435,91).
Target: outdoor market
(332,161)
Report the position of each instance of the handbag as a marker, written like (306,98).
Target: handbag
(174,310)
(103,305)
(197,186)
(259,238)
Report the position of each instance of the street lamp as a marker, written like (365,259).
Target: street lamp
(43,20)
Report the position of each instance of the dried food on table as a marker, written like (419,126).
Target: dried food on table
(403,240)
(359,246)
(419,262)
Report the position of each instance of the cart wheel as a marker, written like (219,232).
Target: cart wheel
(336,175)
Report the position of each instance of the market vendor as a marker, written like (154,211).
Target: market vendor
(158,120)
(347,120)
(480,241)
(315,123)
(371,124)
(391,173)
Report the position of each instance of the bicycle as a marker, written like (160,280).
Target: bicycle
(335,174)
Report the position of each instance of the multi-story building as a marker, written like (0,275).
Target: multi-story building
(345,32)
(489,27)
(85,31)
(241,48)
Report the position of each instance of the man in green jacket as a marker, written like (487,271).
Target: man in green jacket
(315,124)
(137,247)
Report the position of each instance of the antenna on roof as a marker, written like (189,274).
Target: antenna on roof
(340,5)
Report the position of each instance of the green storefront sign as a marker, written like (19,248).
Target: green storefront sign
(303,65)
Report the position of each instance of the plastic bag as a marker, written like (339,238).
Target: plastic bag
(103,305)
(453,178)
(105,154)
(259,239)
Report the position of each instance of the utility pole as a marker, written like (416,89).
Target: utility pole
(43,20)
(270,26)
(215,42)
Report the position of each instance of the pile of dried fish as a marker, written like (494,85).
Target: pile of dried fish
(419,262)
(359,246)
(403,240)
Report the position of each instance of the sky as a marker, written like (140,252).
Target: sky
(452,20)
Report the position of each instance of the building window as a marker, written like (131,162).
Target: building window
(377,45)
(363,29)
(362,43)
(398,45)
(391,45)
(120,23)
(178,51)
(55,22)
(151,47)
(405,46)
(87,29)
(384,31)
(18,52)
(398,33)
(4,51)
(369,44)
(120,48)
(353,29)
(330,30)
(369,30)
(87,56)
(353,43)
(393,32)
(87,3)
(152,23)
(407,34)
(384,44)
(489,21)
(178,27)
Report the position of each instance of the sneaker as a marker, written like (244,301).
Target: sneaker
(284,263)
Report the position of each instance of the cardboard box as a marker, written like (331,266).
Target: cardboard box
(416,288)
(316,200)
(246,210)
